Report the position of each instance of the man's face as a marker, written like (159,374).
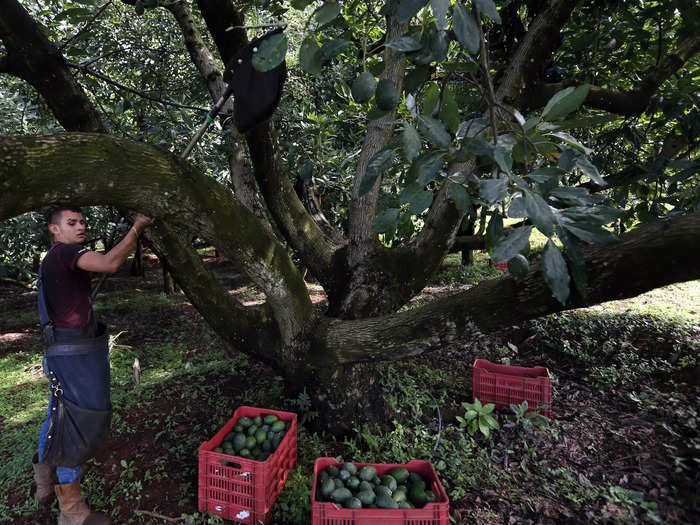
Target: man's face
(70,228)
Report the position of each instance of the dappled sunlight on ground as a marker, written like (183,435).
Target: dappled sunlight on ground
(13,337)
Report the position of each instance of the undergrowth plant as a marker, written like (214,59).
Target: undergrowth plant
(478,418)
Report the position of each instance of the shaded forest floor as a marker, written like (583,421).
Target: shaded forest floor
(622,446)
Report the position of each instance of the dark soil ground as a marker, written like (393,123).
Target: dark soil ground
(606,457)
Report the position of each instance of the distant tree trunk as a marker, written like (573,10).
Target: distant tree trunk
(168,282)
(467,228)
(137,262)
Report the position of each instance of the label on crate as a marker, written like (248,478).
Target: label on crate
(244,514)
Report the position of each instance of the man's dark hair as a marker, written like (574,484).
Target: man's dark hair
(52,216)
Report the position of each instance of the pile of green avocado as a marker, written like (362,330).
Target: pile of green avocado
(255,438)
(348,487)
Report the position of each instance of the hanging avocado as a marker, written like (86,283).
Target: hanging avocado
(386,95)
(518,266)
(363,87)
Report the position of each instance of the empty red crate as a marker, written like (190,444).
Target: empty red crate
(436,513)
(245,492)
(503,385)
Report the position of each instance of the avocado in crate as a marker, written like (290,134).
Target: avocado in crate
(243,468)
(255,438)
(355,489)
(374,493)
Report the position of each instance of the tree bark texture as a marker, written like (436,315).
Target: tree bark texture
(34,172)
(94,168)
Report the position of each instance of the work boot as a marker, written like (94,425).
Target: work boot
(45,477)
(74,511)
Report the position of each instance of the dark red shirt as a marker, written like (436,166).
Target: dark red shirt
(67,286)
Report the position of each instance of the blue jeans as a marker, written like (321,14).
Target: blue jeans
(85,380)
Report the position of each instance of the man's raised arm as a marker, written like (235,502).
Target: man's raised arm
(114,258)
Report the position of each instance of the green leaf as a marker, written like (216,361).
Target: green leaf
(545,175)
(310,58)
(465,28)
(428,167)
(494,232)
(411,142)
(517,210)
(556,274)
(438,42)
(415,78)
(326,13)
(514,243)
(488,7)
(573,196)
(487,409)
(440,8)
(271,52)
(564,102)
(417,197)
(431,99)
(571,141)
(377,165)
(484,427)
(385,221)
(592,216)
(479,147)
(449,110)
(333,48)
(472,128)
(589,169)
(409,8)
(574,252)
(539,213)
(493,190)
(460,196)
(434,131)
(594,236)
(406,43)
(503,158)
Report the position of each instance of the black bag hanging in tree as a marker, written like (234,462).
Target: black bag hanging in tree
(256,93)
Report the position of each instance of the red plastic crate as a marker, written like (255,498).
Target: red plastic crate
(503,385)
(436,513)
(245,493)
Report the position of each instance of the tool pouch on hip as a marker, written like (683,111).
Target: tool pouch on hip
(74,433)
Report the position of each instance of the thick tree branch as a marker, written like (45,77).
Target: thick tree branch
(296,224)
(469,242)
(534,52)
(85,168)
(250,329)
(379,131)
(219,16)
(629,103)
(242,178)
(33,58)
(659,251)
(363,243)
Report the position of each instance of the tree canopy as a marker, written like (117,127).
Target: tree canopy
(405,129)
